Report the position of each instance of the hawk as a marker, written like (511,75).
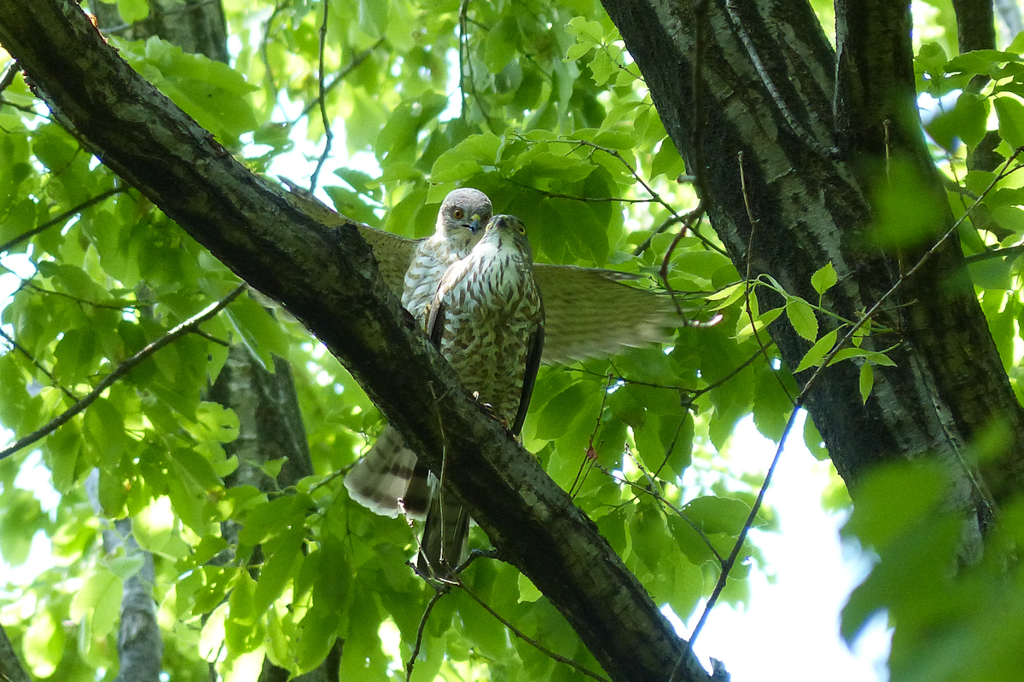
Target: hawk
(588,312)
(388,480)
(488,322)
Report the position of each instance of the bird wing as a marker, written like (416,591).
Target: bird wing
(589,313)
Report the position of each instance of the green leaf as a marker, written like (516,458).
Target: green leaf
(373,17)
(284,559)
(125,567)
(818,351)
(43,644)
(867,381)
(585,30)
(801,316)
(667,161)
(718,514)
(99,600)
(824,279)
(105,432)
(132,11)
(501,44)
(1011,120)
(967,121)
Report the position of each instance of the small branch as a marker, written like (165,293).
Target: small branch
(747,525)
(38,365)
(62,217)
(339,79)
(122,369)
(419,633)
(658,497)
(81,301)
(532,642)
(268,78)
(1008,252)
(591,455)
(322,99)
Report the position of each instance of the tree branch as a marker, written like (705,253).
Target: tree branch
(328,279)
(122,369)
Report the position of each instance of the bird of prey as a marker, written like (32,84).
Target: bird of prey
(488,322)
(589,312)
(389,480)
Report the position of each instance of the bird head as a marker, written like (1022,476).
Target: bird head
(509,232)
(464,213)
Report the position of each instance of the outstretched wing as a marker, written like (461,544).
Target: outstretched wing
(589,313)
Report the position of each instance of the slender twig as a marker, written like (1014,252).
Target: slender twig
(322,99)
(62,217)
(747,280)
(81,301)
(411,663)
(590,456)
(268,77)
(653,491)
(693,393)
(532,642)
(122,369)
(747,525)
(800,399)
(38,365)
(340,78)
(1008,252)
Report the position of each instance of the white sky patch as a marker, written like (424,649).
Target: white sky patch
(793,623)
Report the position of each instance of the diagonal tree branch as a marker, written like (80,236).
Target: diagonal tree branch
(328,280)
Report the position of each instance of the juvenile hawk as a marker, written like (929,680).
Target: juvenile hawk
(488,322)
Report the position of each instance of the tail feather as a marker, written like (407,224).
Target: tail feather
(445,536)
(380,481)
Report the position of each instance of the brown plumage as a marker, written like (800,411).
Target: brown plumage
(589,312)
(488,322)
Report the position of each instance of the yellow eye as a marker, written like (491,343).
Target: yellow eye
(521,228)
(458,214)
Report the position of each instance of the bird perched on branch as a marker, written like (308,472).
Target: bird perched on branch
(388,480)
(588,312)
(488,322)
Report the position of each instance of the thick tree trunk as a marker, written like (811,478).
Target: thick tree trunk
(764,110)
(269,427)
(328,280)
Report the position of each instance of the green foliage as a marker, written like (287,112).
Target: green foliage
(949,624)
(551,118)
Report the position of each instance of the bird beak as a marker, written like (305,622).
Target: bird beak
(474,223)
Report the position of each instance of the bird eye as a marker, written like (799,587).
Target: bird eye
(458,214)
(521,228)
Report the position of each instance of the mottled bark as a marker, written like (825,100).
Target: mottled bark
(812,151)
(196,26)
(328,280)
(11,669)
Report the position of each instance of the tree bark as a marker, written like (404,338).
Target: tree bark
(761,77)
(10,665)
(329,281)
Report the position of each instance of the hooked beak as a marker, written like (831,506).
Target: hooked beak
(474,223)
